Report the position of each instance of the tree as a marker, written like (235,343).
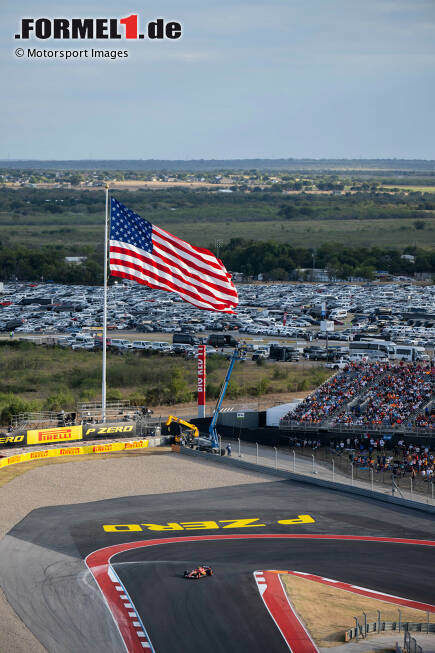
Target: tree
(287,211)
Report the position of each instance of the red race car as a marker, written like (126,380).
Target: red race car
(199,572)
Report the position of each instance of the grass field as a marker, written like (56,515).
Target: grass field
(414,189)
(41,378)
(328,612)
(307,233)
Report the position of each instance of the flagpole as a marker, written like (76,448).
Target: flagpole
(103,385)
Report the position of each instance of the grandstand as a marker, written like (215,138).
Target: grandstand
(370,395)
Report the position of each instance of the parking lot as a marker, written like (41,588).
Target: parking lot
(281,314)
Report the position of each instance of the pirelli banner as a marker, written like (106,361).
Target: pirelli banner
(62,434)
(69,433)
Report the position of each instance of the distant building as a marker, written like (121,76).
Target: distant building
(383,275)
(237,277)
(311,274)
(408,257)
(75,260)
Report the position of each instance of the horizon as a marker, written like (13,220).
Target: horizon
(231,158)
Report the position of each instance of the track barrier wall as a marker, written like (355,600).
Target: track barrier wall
(292,476)
(74,451)
(273,436)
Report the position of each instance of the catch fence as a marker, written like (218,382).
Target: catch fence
(363,627)
(343,462)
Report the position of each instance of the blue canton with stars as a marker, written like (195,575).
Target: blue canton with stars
(128,227)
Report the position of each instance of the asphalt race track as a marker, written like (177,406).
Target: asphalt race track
(45,578)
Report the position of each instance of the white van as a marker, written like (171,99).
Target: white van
(84,338)
(142,344)
(121,344)
(163,347)
(338,314)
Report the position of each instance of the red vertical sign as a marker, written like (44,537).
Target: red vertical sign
(284,319)
(201,380)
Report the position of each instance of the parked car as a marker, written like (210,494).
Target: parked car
(222,340)
(141,344)
(162,347)
(184,339)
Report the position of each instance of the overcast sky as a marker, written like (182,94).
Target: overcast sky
(272,78)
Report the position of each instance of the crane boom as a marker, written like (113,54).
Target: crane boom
(214,438)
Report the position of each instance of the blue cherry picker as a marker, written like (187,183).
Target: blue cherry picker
(238,353)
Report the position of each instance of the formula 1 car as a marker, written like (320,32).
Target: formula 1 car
(199,572)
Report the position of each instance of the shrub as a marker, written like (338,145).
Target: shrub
(113,394)
(16,405)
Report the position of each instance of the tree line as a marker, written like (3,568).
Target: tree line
(278,261)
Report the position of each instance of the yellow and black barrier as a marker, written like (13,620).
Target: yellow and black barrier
(74,451)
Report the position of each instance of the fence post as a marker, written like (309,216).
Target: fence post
(333,471)
(365,624)
(314,464)
(411,487)
(239,448)
(427,623)
(400,618)
(256,458)
(351,465)
(294,461)
(379,621)
(371,479)
(357,628)
(276,458)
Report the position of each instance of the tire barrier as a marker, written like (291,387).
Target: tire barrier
(74,451)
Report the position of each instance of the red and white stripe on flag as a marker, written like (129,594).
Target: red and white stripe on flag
(176,266)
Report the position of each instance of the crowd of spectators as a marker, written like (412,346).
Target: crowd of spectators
(374,394)
(395,399)
(337,391)
(405,460)
(402,459)
(426,419)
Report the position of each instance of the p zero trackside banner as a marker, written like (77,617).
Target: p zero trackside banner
(69,433)
(54,435)
(201,380)
(95,431)
(13,440)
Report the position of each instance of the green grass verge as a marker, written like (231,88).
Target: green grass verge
(44,378)
(306,233)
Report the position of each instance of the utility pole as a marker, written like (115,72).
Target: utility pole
(219,243)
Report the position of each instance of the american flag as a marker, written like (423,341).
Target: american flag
(152,256)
